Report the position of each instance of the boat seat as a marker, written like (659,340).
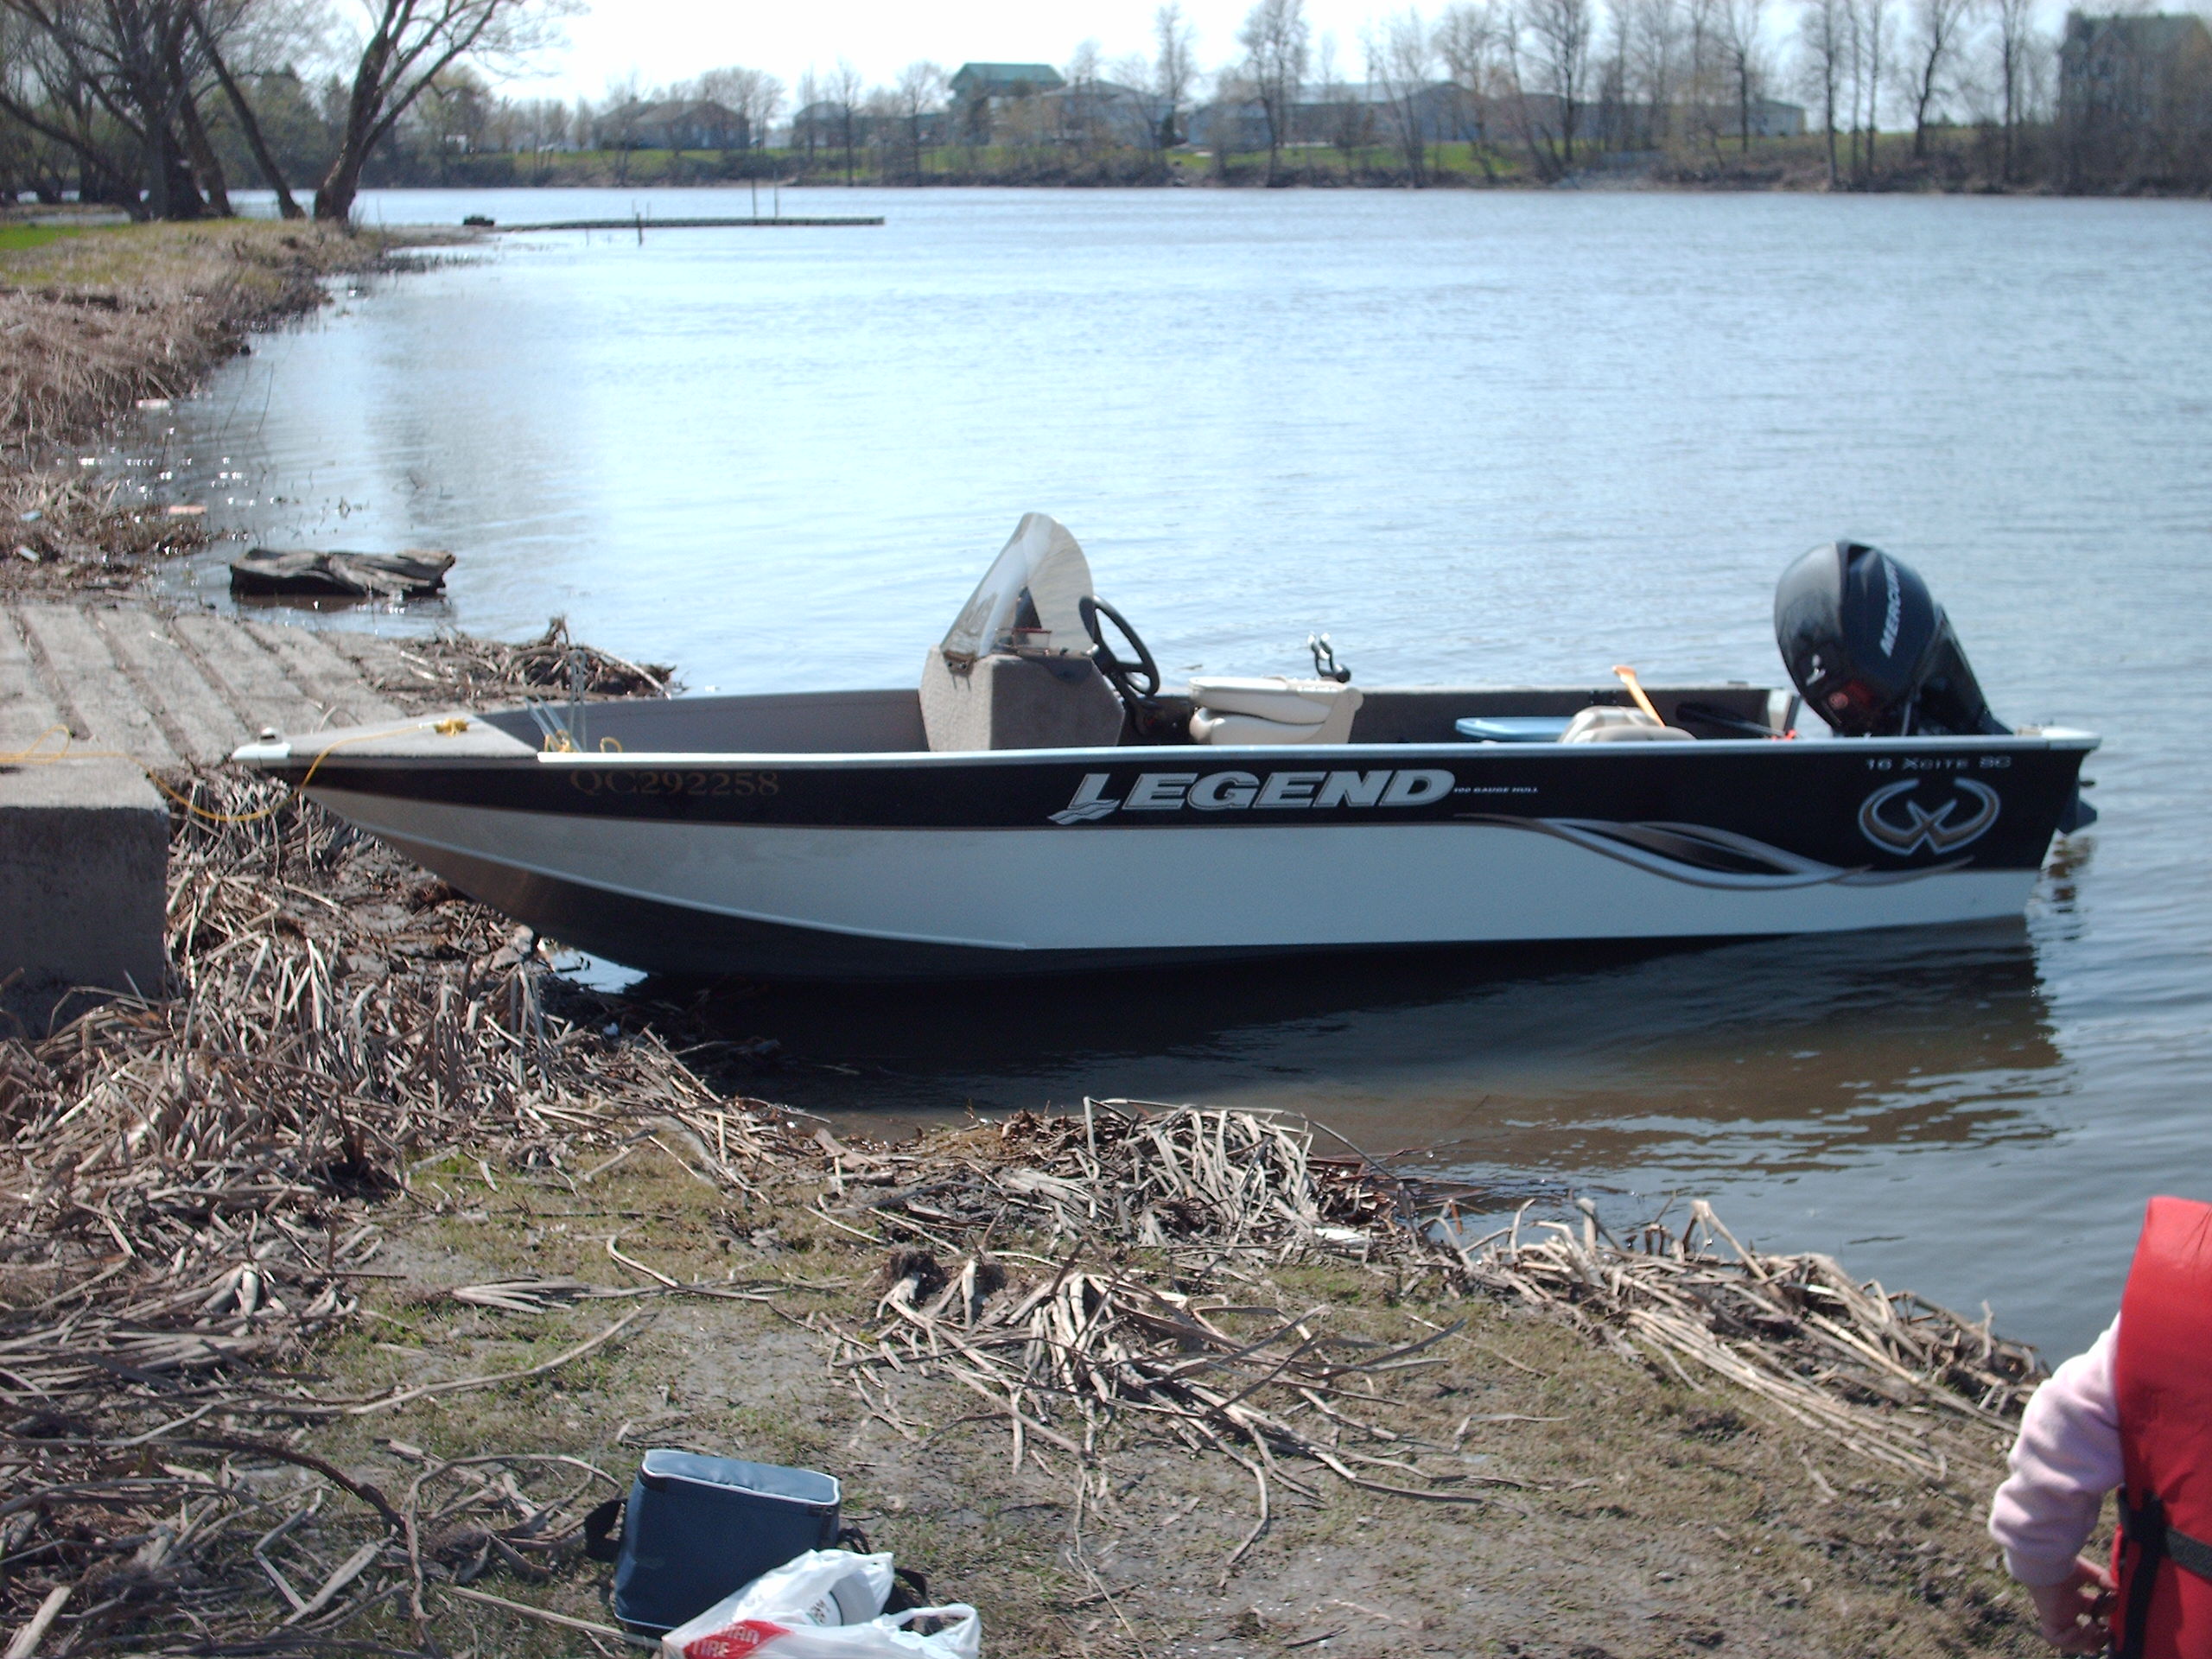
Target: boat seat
(1602,724)
(1015,670)
(1005,701)
(1271,708)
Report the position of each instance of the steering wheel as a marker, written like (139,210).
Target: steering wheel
(1133,681)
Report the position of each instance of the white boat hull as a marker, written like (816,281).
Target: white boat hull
(1153,891)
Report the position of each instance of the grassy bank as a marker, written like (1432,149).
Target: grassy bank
(95,321)
(338,1285)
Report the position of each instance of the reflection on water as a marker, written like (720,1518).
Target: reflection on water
(1480,436)
(1786,1055)
(1754,1068)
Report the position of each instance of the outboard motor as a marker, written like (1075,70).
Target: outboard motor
(1872,651)
(1873,654)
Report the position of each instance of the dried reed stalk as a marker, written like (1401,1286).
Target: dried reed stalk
(189,1195)
(452,670)
(1876,1370)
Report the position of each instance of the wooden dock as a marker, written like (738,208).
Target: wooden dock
(643,225)
(174,688)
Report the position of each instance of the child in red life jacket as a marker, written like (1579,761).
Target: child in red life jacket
(2134,1415)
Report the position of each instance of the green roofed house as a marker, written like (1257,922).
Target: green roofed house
(983,92)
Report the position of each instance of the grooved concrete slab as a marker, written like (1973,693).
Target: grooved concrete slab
(168,689)
(84,842)
(197,721)
(331,681)
(251,675)
(25,709)
(108,712)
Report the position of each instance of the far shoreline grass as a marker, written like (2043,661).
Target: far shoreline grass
(1957,160)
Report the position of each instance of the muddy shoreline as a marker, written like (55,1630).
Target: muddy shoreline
(109,319)
(333,1281)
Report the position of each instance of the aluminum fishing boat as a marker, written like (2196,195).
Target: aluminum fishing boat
(1041,803)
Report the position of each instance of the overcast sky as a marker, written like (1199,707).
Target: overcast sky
(666,41)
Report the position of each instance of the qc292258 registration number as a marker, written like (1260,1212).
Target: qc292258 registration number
(637,780)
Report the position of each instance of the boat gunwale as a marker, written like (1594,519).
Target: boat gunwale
(2055,739)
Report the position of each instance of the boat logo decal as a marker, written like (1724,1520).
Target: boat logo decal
(1903,826)
(1239,791)
(1088,807)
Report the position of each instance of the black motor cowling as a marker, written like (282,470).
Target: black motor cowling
(1871,650)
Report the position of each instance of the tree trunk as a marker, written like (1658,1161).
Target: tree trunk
(1827,110)
(170,193)
(333,197)
(204,166)
(248,125)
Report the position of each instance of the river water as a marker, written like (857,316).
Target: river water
(1478,437)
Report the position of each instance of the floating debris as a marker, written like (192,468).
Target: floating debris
(304,572)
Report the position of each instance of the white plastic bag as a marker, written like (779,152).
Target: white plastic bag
(807,1608)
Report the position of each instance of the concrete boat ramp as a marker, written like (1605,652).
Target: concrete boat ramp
(84,841)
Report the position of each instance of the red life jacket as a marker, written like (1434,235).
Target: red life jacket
(2162,1381)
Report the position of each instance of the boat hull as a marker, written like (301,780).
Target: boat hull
(887,867)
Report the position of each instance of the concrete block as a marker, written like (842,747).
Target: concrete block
(84,872)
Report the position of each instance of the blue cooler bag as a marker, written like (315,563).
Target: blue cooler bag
(697,1529)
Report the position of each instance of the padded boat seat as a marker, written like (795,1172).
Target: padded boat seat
(1271,708)
(1002,702)
(1608,725)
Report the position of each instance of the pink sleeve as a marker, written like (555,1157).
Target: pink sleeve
(2066,1458)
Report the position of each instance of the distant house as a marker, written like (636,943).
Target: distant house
(1771,118)
(1373,113)
(1104,114)
(984,93)
(2136,75)
(830,124)
(678,125)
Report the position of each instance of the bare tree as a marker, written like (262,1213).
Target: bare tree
(845,88)
(1938,31)
(1469,38)
(1655,46)
(752,95)
(1274,41)
(1822,28)
(114,83)
(920,91)
(1555,35)
(1173,67)
(2018,52)
(197,16)
(1078,106)
(1612,122)
(1401,58)
(408,44)
(808,117)
(1741,41)
(1870,22)
(617,130)
(1705,64)
(1342,114)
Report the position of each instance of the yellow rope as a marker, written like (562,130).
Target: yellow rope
(39,755)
